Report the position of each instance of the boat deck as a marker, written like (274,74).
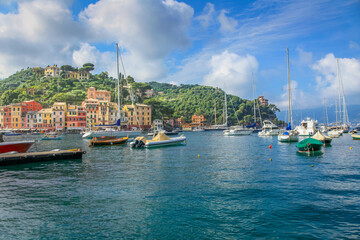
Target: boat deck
(7,159)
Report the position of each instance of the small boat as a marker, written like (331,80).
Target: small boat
(309,145)
(269,129)
(334,133)
(18,146)
(237,131)
(198,129)
(52,136)
(107,140)
(10,133)
(355,136)
(87,135)
(321,137)
(160,140)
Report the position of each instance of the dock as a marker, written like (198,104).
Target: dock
(7,159)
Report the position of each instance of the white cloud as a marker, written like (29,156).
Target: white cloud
(40,33)
(227,24)
(149,30)
(232,72)
(354,45)
(305,58)
(85,54)
(328,81)
(207,15)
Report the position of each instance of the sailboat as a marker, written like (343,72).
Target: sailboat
(219,127)
(235,130)
(289,135)
(114,130)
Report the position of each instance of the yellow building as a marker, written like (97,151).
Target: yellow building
(16,111)
(47,118)
(142,115)
(80,75)
(52,71)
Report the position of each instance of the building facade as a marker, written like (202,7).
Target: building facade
(101,95)
(138,114)
(52,71)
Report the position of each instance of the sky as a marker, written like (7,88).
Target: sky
(221,43)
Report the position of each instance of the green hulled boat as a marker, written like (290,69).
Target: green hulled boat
(356,136)
(309,145)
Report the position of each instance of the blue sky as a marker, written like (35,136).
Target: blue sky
(217,43)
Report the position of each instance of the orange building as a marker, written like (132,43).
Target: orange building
(101,95)
(5,117)
(75,118)
(198,120)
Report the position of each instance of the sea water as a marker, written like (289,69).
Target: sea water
(214,187)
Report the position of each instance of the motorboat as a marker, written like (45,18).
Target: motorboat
(334,133)
(198,129)
(269,129)
(107,141)
(52,136)
(307,127)
(237,131)
(160,140)
(9,133)
(17,146)
(321,137)
(309,145)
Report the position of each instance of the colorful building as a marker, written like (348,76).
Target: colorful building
(31,106)
(198,120)
(263,101)
(30,122)
(91,107)
(140,114)
(52,71)
(75,118)
(59,115)
(16,112)
(101,95)
(6,117)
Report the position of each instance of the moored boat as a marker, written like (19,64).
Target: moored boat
(307,127)
(107,140)
(18,146)
(356,136)
(309,145)
(237,131)
(52,136)
(160,140)
(321,137)
(269,129)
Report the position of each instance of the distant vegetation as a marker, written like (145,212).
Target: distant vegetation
(168,101)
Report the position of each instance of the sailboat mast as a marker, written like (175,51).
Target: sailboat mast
(215,110)
(254,98)
(118,79)
(226,116)
(337,60)
(289,90)
(325,114)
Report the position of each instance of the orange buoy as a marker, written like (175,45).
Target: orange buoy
(270,146)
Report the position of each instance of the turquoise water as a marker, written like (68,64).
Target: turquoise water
(215,187)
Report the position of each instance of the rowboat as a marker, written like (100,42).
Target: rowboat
(107,140)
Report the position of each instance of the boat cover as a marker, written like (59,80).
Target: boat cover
(160,137)
(319,136)
(308,141)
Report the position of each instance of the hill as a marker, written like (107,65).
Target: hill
(168,101)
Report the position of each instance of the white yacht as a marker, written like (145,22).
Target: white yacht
(269,129)
(307,127)
(237,131)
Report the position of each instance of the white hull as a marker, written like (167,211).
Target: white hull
(163,143)
(117,133)
(269,133)
(237,132)
(334,133)
(290,137)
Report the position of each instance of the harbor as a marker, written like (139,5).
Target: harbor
(215,186)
